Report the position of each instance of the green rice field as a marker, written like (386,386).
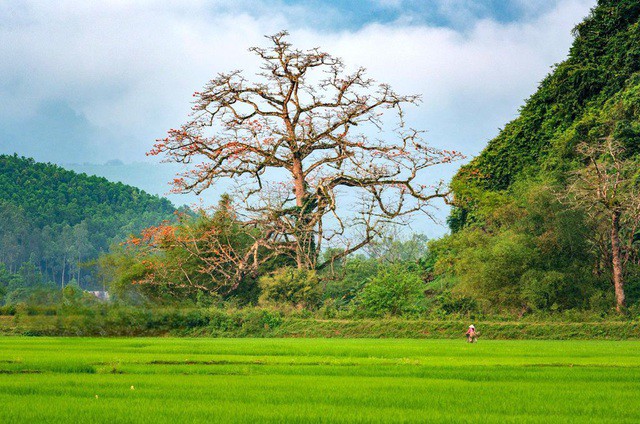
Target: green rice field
(157,380)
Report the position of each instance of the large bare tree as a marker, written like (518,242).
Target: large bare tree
(308,147)
(608,188)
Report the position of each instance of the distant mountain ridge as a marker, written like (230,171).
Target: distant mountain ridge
(50,194)
(153,178)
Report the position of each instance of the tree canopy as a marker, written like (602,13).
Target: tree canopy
(309,148)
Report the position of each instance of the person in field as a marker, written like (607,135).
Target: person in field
(472,334)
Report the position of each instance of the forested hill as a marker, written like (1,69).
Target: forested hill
(547,216)
(56,219)
(51,195)
(593,94)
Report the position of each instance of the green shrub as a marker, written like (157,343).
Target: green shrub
(221,321)
(299,288)
(258,321)
(343,283)
(457,304)
(394,291)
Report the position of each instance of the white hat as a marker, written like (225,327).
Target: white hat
(471,326)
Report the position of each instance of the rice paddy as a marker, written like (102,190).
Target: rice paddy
(157,380)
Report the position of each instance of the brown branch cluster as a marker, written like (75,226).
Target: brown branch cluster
(305,141)
(609,184)
(210,253)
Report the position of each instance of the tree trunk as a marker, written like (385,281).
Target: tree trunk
(616,253)
(304,235)
(79,269)
(298,182)
(64,267)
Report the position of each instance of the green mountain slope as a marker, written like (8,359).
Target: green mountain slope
(56,219)
(521,237)
(599,82)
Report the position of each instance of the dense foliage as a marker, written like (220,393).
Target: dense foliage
(299,288)
(194,261)
(591,94)
(523,237)
(55,222)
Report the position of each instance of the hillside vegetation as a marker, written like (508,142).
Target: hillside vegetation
(52,221)
(546,216)
(591,95)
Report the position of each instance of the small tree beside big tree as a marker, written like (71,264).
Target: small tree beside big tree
(307,148)
(607,187)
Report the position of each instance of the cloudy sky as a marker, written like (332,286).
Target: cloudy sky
(89,82)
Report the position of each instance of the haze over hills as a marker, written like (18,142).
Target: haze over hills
(151,177)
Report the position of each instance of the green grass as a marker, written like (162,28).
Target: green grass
(317,380)
(255,322)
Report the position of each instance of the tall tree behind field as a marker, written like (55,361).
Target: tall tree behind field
(344,174)
(608,187)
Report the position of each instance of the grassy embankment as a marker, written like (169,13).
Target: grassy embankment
(268,323)
(317,380)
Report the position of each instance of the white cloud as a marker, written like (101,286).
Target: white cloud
(130,68)
(127,68)
(391,4)
(472,82)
